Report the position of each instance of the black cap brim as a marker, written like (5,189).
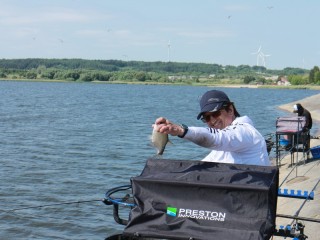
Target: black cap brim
(212,107)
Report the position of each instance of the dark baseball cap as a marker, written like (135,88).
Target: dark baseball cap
(213,101)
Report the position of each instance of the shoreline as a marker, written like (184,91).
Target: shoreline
(225,85)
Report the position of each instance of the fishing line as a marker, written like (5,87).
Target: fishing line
(51,205)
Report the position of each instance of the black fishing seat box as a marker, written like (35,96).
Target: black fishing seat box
(196,200)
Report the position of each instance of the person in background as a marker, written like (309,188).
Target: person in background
(302,112)
(232,139)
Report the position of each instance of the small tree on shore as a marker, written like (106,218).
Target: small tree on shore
(313,75)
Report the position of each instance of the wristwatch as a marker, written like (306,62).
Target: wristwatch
(185,130)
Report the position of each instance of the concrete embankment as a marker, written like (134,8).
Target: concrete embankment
(303,175)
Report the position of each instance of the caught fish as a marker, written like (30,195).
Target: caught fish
(159,141)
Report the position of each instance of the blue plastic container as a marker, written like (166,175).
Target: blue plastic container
(284,142)
(315,152)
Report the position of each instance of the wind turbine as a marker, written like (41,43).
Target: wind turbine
(169,45)
(258,55)
(261,57)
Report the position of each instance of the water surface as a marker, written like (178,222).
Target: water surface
(63,142)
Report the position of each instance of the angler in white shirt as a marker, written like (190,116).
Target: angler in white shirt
(233,139)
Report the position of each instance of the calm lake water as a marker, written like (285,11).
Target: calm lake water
(64,142)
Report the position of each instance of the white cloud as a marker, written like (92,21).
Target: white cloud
(52,15)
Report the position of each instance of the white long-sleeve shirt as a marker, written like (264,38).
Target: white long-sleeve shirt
(239,143)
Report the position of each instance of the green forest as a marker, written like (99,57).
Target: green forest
(152,72)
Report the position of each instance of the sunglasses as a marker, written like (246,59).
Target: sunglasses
(206,117)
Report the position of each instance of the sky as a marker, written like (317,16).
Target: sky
(224,32)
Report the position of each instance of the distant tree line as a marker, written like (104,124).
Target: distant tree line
(117,70)
(312,78)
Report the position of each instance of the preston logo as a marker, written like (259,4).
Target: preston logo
(196,214)
(172,211)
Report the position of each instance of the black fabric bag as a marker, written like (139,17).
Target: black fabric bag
(182,199)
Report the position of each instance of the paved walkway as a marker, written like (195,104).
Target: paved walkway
(303,177)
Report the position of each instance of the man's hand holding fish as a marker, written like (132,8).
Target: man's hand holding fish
(163,125)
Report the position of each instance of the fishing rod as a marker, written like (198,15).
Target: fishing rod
(299,218)
(302,205)
(296,230)
(53,204)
